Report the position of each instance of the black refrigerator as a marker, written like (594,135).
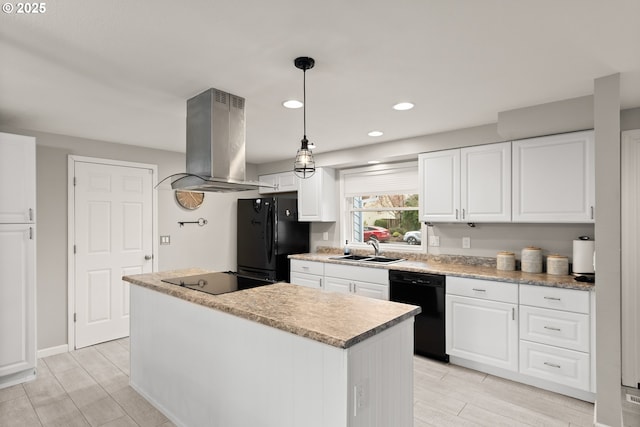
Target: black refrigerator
(269,231)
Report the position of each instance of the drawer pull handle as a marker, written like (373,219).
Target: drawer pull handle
(479,290)
(305,267)
(552,328)
(552,298)
(553,365)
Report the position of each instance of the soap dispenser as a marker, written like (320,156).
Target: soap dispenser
(347,251)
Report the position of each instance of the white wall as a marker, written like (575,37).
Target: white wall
(212,246)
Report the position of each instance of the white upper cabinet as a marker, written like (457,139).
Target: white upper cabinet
(282,182)
(17,178)
(485,184)
(439,174)
(317,198)
(466,185)
(554,179)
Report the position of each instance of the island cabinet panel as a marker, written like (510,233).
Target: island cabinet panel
(204,367)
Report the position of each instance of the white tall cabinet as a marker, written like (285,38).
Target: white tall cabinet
(17,259)
(471,184)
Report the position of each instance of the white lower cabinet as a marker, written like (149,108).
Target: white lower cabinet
(538,335)
(306,273)
(368,282)
(482,330)
(364,281)
(559,365)
(555,335)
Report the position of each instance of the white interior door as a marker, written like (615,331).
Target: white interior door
(113,231)
(630,254)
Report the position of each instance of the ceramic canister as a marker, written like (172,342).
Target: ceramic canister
(557,265)
(506,261)
(531,260)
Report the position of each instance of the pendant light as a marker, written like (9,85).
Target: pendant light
(304,165)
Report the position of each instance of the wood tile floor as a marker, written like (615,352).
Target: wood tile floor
(90,387)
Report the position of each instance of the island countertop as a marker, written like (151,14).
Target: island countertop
(331,318)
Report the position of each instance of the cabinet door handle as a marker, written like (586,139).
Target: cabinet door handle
(513,313)
(30,214)
(553,365)
(350,284)
(591,212)
(30,233)
(320,282)
(463,214)
(354,288)
(479,290)
(552,298)
(456,213)
(552,328)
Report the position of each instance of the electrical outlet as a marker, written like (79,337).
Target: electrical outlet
(360,397)
(466,242)
(325,235)
(434,241)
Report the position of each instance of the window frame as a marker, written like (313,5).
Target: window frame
(346,209)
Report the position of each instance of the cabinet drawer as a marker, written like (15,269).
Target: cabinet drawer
(555,364)
(555,298)
(555,327)
(308,280)
(483,289)
(363,274)
(309,267)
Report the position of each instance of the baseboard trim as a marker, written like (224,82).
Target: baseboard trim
(52,351)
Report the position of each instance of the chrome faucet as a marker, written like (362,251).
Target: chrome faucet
(376,245)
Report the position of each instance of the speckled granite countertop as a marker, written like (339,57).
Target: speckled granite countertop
(460,270)
(335,319)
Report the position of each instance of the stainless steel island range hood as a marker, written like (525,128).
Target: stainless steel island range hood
(215,145)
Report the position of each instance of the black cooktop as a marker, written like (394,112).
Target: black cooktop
(217,283)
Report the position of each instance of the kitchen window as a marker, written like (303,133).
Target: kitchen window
(381,202)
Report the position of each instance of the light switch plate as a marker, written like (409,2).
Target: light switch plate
(165,240)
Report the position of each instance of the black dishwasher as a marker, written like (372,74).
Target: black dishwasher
(428,292)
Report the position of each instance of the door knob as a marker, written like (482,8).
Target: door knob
(148,257)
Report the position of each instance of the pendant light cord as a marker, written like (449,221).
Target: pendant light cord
(304,102)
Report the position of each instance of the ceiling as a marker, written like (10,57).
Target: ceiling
(121,70)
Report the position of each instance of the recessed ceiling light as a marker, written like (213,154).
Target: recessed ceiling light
(373,162)
(401,106)
(375,133)
(292,103)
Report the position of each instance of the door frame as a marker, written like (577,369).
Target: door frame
(71,219)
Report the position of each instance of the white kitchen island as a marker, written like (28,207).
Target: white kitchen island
(279,355)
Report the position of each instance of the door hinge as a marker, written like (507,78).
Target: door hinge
(74,317)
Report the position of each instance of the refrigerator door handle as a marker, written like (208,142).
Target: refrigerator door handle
(270,239)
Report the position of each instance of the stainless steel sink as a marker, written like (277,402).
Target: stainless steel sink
(368,259)
(383,260)
(351,257)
